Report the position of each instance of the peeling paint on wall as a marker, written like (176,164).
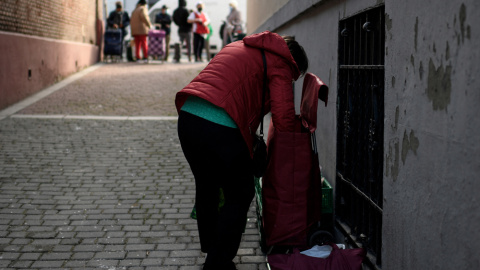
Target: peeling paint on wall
(462,17)
(388,22)
(439,86)
(391,161)
(397,115)
(416,33)
(409,143)
(420,70)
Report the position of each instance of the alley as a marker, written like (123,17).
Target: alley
(92,176)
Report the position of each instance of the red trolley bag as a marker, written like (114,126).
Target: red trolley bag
(291,188)
(156,43)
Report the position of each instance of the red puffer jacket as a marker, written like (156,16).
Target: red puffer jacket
(233,80)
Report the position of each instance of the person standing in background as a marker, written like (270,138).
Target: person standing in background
(119,19)
(200,22)
(164,20)
(140,25)
(233,24)
(180,17)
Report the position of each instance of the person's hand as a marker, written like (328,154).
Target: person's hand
(115,26)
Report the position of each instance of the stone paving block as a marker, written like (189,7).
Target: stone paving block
(85,248)
(152,262)
(83,255)
(139,247)
(47,264)
(103,264)
(185,253)
(170,267)
(179,261)
(114,248)
(9,255)
(110,255)
(129,263)
(21,264)
(55,256)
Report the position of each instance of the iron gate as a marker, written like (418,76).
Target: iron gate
(360,112)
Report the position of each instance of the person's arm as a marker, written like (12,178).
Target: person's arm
(126,19)
(281,97)
(168,20)
(146,19)
(110,19)
(207,19)
(191,18)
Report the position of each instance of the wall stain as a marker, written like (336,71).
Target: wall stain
(393,81)
(388,24)
(439,87)
(416,33)
(447,52)
(397,115)
(412,61)
(462,17)
(409,143)
(392,162)
(420,70)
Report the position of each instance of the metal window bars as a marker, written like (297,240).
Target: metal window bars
(360,115)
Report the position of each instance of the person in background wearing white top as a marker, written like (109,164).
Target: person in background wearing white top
(200,22)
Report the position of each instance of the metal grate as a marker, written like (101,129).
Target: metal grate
(359,185)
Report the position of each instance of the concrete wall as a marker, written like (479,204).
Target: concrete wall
(432,139)
(43,41)
(260,10)
(431,208)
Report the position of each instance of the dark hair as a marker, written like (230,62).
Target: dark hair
(298,53)
(142,2)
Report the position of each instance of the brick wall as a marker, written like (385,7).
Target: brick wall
(72,20)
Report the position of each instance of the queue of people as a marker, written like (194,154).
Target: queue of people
(194,28)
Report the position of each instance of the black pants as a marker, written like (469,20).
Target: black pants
(219,158)
(198,43)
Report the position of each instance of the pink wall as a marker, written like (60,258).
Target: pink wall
(48,60)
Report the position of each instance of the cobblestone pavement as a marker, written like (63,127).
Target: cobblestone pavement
(102,193)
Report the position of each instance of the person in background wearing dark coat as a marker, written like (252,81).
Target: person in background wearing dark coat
(219,112)
(180,16)
(119,19)
(163,21)
(200,21)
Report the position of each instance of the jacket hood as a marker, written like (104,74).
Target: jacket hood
(273,43)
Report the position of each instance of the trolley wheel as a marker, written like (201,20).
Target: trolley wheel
(320,237)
